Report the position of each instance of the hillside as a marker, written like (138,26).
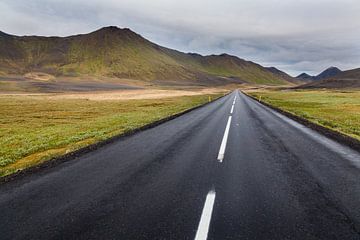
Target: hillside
(345,79)
(284,75)
(121,53)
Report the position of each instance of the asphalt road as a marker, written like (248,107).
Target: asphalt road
(218,172)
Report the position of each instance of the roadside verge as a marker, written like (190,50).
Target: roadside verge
(56,160)
(330,133)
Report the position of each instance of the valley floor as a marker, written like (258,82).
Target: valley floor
(233,169)
(37,127)
(335,109)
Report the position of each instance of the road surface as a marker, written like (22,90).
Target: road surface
(233,169)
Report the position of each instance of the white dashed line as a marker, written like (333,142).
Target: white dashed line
(204,224)
(224,141)
(232,109)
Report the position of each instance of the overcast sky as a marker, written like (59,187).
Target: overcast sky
(293,35)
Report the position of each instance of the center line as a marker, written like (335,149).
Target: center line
(232,109)
(224,141)
(205,219)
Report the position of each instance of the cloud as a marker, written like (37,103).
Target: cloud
(295,35)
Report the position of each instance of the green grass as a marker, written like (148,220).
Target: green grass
(338,110)
(35,129)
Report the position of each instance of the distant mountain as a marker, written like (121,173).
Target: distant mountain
(304,76)
(328,73)
(345,79)
(122,53)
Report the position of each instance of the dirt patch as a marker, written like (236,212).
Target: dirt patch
(39,76)
(123,94)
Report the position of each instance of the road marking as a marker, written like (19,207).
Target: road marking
(232,109)
(224,141)
(203,228)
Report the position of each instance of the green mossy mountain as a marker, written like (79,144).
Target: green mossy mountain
(121,53)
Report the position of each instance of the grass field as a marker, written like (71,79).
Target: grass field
(338,110)
(34,129)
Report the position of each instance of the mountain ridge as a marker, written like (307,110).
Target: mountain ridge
(122,53)
(327,73)
(345,79)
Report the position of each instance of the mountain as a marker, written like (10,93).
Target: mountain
(305,76)
(328,73)
(122,53)
(345,79)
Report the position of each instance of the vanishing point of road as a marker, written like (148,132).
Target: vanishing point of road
(232,169)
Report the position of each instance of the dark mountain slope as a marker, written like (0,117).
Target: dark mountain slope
(328,73)
(305,76)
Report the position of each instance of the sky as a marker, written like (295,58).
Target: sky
(293,35)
